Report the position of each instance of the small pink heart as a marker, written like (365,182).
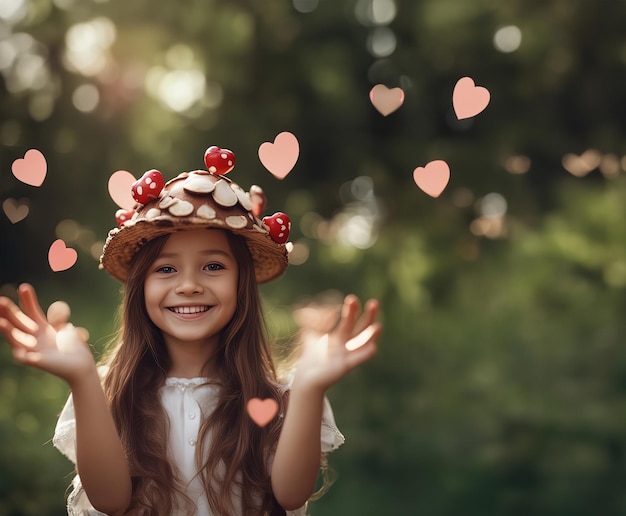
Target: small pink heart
(281,156)
(61,257)
(15,210)
(433,178)
(120,189)
(386,100)
(468,99)
(262,411)
(31,169)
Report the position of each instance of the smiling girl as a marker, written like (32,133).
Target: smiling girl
(167,431)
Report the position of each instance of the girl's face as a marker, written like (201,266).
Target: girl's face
(191,288)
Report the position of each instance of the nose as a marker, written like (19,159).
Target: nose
(189,285)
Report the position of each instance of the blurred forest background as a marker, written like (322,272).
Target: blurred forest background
(500,383)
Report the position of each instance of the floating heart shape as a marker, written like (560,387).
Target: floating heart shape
(386,100)
(61,257)
(280,157)
(262,411)
(15,210)
(433,178)
(580,166)
(31,169)
(468,99)
(120,185)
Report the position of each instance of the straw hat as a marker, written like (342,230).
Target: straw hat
(196,200)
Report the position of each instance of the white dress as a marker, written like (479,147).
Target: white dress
(182,400)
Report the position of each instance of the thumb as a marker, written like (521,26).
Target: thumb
(58,314)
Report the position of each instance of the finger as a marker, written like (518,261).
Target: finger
(26,357)
(83,333)
(349,312)
(30,304)
(369,315)
(16,337)
(361,355)
(368,334)
(15,317)
(58,314)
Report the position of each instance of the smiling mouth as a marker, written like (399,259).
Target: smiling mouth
(188,309)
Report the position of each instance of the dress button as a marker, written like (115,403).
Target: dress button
(192,442)
(192,415)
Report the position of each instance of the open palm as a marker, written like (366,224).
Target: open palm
(36,342)
(324,361)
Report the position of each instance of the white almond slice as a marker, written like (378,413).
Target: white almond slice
(199,184)
(206,212)
(153,213)
(260,229)
(236,221)
(181,209)
(167,202)
(224,194)
(244,200)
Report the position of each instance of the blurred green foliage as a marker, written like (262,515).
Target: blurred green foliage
(500,383)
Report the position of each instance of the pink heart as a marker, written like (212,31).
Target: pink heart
(281,156)
(433,178)
(120,189)
(15,210)
(61,257)
(262,411)
(469,100)
(386,100)
(31,169)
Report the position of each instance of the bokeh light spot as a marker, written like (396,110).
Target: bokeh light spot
(507,39)
(305,6)
(86,98)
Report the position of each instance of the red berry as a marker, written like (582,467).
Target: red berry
(258,199)
(279,226)
(219,161)
(122,216)
(148,186)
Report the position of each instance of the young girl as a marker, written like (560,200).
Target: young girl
(171,428)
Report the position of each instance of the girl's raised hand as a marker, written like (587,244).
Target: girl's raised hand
(324,361)
(53,346)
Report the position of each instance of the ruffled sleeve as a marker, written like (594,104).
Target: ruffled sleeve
(332,438)
(64,440)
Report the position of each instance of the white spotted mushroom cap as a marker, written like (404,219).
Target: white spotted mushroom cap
(195,200)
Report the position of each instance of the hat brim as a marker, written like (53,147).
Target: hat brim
(270,258)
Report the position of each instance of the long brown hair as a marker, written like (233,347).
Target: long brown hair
(138,367)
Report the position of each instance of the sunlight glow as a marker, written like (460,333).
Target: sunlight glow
(87,46)
(13,11)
